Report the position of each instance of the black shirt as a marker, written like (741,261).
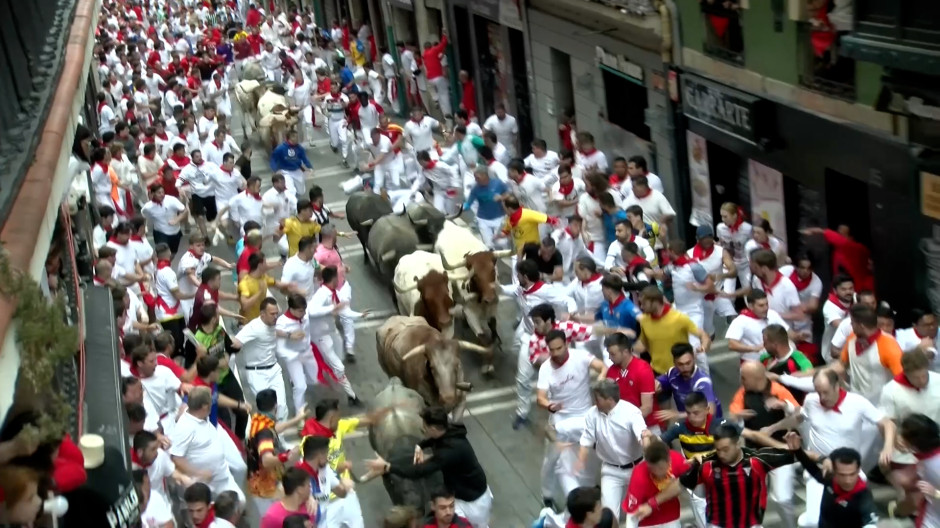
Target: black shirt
(107,499)
(763,417)
(842,509)
(455,459)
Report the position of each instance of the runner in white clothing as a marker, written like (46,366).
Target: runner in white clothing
(296,352)
(322,310)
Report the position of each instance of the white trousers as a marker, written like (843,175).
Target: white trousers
(393,94)
(233,457)
(294,180)
(489,229)
(476,511)
(339,136)
(441,94)
(325,343)
(697,498)
(600,253)
(558,470)
(697,316)
(271,378)
(781,492)
(444,202)
(525,372)
(302,370)
(390,172)
(347,320)
(345,512)
(614,483)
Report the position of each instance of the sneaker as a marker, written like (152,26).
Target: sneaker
(354,401)
(345,164)
(519,422)
(350,357)
(549,503)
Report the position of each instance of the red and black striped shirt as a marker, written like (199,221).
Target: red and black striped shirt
(736,495)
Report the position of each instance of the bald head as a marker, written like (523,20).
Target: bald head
(753,376)
(103,269)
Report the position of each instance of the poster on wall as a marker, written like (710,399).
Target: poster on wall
(767,197)
(510,14)
(700,180)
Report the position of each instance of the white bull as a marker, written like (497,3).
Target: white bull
(454,245)
(410,269)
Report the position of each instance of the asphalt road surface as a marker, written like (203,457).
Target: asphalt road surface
(511,459)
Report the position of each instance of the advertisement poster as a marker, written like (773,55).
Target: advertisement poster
(767,197)
(701,181)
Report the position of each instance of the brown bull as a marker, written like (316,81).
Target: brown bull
(409,349)
(436,304)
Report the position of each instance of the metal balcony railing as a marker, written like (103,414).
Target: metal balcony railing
(724,35)
(821,67)
(632,7)
(33,35)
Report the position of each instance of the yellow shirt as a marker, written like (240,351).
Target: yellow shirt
(659,335)
(249,286)
(295,229)
(526,227)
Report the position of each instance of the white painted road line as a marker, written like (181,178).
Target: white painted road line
(489,394)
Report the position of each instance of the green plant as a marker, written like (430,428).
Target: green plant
(45,341)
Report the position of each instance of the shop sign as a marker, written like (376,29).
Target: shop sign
(487,8)
(930,195)
(732,111)
(767,197)
(700,179)
(618,63)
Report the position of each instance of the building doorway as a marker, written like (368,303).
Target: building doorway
(847,202)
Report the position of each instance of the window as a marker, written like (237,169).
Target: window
(725,39)
(912,21)
(822,67)
(626,103)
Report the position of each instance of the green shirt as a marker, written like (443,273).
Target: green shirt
(795,362)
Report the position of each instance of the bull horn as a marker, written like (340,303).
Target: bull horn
(450,267)
(399,289)
(502,253)
(367,223)
(416,351)
(421,222)
(425,247)
(467,345)
(388,256)
(455,215)
(464,386)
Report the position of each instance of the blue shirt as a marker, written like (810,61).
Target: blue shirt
(489,208)
(239,247)
(610,223)
(214,410)
(289,157)
(623,314)
(673,383)
(346,78)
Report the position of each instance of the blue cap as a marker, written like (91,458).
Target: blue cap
(704,231)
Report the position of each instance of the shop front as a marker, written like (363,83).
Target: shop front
(798,169)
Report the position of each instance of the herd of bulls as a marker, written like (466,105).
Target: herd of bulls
(438,271)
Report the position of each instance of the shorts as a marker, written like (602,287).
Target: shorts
(204,206)
(171,240)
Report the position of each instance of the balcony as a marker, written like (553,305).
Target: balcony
(725,38)
(630,7)
(902,34)
(822,67)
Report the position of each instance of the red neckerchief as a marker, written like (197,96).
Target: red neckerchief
(163,263)
(312,471)
(290,315)
(566,189)
(431,165)
(862,344)
(636,262)
(644,195)
(801,284)
(180,161)
(99,282)
(515,216)
(534,288)
(218,83)
(843,496)
(559,365)
(216,143)
(572,524)
(769,288)
(616,178)
(137,238)
(700,254)
(834,299)
(902,379)
(115,240)
(587,152)
(315,428)
(416,121)
(256,196)
(152,156)
(136,459)
(929,454)
(164,136)
(335,295)
(103,166)
(748,313)
(522,176)
(615,304)
(682,260)
(210,518)
(666,308)
(704,429)
(835,408)
(101,105)
(593,278)
(737,223)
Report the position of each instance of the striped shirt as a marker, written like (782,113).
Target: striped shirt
(693,440)
(574,332)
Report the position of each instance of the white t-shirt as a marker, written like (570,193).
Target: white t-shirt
(289,349)
(161,213)
(301,273)
(191,262)
(655,206)
(750,331)
(165,281)
(530,192)
(421,134)
(829,430)
(568,384)
(898,401)
(157,512)
(909,340)
(505,129)
(259,343)
(377,151)
(197,441)
(812,291)
(161,468)
(781,294)
(160,389)
(543,167)
(555,194)
(99,237)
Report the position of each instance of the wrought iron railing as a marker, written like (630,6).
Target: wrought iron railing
(33,35)
(724,38)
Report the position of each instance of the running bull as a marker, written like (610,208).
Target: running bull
(422,289)
(394,438)
(362,210)
(410,349)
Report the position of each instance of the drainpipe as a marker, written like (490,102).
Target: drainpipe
(666,19)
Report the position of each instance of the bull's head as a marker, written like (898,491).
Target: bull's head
(435,294)
(443,360)
(483,282)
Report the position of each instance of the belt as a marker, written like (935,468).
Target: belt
(261,367)
(626,466)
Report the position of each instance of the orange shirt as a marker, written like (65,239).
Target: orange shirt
(776,390)
(889,352)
